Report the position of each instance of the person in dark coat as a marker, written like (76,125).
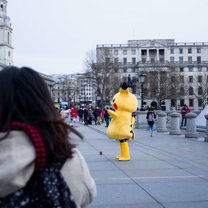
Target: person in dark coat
(107,117)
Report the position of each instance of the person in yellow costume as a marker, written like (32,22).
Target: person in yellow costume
(122,121)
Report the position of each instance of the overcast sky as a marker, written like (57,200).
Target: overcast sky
(53,36)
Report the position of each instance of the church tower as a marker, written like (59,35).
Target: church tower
(6,49)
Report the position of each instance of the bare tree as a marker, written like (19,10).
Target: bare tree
(65,90)
(101,68)
(163,83)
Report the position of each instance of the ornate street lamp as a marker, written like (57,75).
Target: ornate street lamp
(158,98)
(142,76)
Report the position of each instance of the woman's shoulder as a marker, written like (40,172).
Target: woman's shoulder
(77,176)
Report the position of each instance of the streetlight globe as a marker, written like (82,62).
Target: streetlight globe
(142,76)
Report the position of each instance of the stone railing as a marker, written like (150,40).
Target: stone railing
(172,118)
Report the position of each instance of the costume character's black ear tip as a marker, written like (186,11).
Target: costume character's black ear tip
(124,86)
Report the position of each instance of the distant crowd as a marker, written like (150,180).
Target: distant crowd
(87,115)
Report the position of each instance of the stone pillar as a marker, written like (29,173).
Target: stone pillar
(191,126)
(206,136)
(175,124)
(161,123)
(141,121)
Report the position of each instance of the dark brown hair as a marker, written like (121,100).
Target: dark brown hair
(24,97)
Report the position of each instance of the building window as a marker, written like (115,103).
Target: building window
(172,51)
(115,52)
(133,70)
(133,60)
(200,78)
(181,59)
(191,102)
(200,91)
(172,59)
(124,52)
(9,54)
(161,60)
(198,59)
(182,102)
(115,60)
(181,69)
(125,70)
(189,50)
(198,50)
(190,69)
(182,91)
(191,79)
(133,52)
(182,79)
(180,50)
(172,101)
(200,102)
(191,91)
(107,60)
(144,52)
(143,60)
(199,69)
(124,60)
(152,60)
(189,59)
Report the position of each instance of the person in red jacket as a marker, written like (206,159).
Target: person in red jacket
(73,114)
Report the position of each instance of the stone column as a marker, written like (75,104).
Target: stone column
(206,136)
(141,121)
(191,126)
(175,124)
(161,123)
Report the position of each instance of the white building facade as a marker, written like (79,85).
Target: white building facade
(189,59)
(76,89)
(6,49)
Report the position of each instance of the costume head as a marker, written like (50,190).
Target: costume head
(124,100)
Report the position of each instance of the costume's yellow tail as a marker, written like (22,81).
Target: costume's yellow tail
(124,156)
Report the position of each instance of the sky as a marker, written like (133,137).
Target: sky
(53,37)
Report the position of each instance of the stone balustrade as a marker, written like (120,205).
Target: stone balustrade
(141,121)
(175,124)
(161,122)
(191,126)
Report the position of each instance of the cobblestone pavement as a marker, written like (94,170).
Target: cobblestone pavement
(164,170)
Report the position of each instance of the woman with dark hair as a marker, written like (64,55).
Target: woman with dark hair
(151,116)
(35,143)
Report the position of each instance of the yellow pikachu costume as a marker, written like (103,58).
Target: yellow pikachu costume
(122,121)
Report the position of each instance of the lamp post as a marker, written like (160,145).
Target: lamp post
(158,98)
(142,76)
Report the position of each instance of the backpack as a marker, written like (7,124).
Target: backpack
(45,189)
(151,117)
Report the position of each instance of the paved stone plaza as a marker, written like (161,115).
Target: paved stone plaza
(164,171)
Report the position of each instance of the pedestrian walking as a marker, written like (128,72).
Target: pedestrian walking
(107,117)
(39,164)
(86,116)
(102,115)
(151,116)
(73,115)
(96,114)
(185,110)
(80,114)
